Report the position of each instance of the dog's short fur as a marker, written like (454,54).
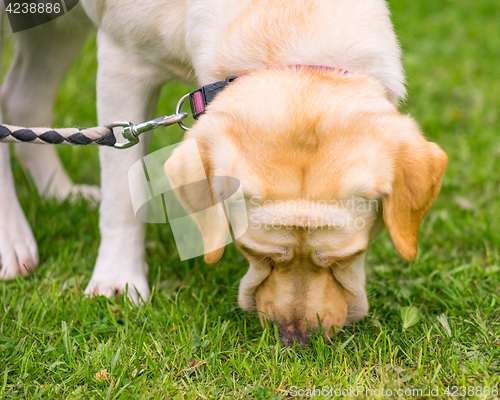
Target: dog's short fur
(309,146)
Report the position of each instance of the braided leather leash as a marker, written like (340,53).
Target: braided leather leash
(101,136)
(97,136)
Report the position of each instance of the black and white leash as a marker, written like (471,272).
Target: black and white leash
(70,136)
(97,136)
(103,135)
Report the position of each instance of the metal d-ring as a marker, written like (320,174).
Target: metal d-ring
(178,110)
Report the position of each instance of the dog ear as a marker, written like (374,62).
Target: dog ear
(418,171)
(188,169)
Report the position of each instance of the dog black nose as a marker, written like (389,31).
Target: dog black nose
(290,334)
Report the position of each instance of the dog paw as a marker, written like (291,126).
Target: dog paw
(91,194)
(18,250)
(136,287)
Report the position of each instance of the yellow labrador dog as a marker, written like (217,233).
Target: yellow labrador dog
(310,129)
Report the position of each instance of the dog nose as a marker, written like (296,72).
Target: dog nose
(292,333)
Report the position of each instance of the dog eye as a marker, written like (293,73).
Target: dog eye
(279,257)
(325,260)
(276,255)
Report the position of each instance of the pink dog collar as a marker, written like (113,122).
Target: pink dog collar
(199,98)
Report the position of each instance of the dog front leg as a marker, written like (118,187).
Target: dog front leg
(18,250)
(125,92)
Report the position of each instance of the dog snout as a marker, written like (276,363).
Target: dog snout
(294,333)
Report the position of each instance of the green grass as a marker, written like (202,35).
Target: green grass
(192,341)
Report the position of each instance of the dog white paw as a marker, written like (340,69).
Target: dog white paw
(135,285)
(90,193)
(18,250)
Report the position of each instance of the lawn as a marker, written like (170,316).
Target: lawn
(434,323)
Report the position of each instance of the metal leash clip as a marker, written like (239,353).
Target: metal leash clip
(131,132)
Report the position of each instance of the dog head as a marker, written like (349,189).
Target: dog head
(324,160)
